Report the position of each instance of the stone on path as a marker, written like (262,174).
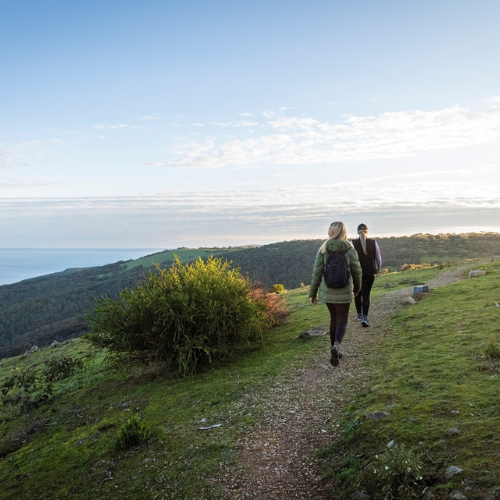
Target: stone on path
(313,332)
(409,301)
(474,274)
(452,471)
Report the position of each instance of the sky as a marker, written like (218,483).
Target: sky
(167,123)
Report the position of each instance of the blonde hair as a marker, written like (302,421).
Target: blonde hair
(362,239)
(336,231)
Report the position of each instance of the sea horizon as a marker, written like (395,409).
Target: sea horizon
(18,264)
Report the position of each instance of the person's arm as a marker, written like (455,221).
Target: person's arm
(378,258)
(355,269)
(316,277)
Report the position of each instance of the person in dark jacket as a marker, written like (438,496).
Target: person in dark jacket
(371,264)
(337,300)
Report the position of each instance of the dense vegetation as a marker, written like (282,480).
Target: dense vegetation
(54,307)
(184,317)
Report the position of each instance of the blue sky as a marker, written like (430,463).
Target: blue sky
(173,123)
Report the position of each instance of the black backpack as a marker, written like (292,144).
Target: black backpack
(336,271)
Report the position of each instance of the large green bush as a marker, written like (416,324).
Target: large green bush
(185,317)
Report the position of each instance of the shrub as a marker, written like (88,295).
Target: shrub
(278,288)
(492,349)
(184,317)
(132,432)
(25,389)
(61,368)
(396,474)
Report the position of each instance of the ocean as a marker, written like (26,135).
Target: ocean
(17,264)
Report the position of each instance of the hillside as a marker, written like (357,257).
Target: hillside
(285,423)
(54,307)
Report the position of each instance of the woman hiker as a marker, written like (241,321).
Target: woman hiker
(371,264)
(336,249)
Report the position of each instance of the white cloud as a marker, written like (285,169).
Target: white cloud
(299,140)
(20,154)
(101,127)
(493,102)
(247,115)
(154,116)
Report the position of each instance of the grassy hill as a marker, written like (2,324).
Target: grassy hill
(54,307)
(435,367)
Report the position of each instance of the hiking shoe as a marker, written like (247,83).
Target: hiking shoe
(359,317)
(364,321)
(335,355)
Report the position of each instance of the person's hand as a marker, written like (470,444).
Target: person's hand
(313,300)
(356,294)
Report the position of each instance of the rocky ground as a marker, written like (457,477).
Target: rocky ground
(277,457)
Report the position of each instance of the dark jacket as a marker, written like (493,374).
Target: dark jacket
(335,295)
(367,260)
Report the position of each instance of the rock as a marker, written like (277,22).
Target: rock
(390,444)
(474,274)
(313,332)
(428,496)
(409,301)
(452,471)
(377,415)
(360,494)
(420,289)
(55,343)
(429,325)
(457,495)
(453,432)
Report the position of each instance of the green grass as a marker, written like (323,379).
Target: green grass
(184,254)
(434,369)
(68,448)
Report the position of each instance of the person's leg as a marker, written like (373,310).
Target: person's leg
(333,321)
(357,303)
(366,287)
(342,316)
(334,328)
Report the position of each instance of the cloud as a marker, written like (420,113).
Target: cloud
(300,140)
(154,116)
(493,102)
(247,115)
(20,154)
(111,127)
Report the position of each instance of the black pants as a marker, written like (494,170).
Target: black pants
(363,298)
(339,314)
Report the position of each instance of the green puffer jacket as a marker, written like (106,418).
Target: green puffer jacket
(336,295)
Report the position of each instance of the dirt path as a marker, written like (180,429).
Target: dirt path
(276,458)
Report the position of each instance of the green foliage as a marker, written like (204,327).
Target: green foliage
(25,389)
(60,368)
(277,288)
(397,474)
(492,349)
(132,432)
(184,317)
(28,388)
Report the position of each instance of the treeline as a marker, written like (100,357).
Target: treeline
(54,307)
(290,262)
